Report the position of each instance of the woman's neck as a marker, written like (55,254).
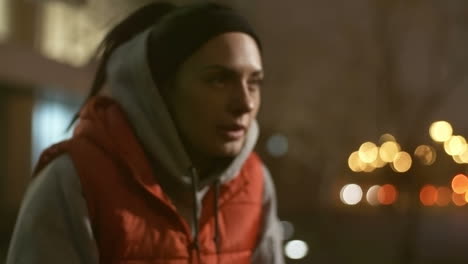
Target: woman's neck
(206,166)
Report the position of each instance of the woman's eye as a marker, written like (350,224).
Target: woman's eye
(257,83)
(217,80)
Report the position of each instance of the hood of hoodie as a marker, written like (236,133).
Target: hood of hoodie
(130,83)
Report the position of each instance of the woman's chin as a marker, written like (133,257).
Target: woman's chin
(230,149)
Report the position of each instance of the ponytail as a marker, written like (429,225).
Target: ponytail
(137,22)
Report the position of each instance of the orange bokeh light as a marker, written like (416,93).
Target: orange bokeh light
(428,195)
(387,194)
(444,195)
(458,199)
(460,184)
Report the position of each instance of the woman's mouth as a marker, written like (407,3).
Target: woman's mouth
(232,132)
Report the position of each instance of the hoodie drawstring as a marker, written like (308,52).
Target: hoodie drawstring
(216,209)
(195,243)
(216,238)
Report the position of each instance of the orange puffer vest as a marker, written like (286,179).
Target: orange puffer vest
(133,220)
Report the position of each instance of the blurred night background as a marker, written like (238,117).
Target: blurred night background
(363,119)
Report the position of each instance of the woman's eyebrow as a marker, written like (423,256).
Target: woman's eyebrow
(256,73)
(217,67)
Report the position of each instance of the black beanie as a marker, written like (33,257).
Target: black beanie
(184,30)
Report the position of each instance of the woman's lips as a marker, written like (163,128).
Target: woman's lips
(232,132)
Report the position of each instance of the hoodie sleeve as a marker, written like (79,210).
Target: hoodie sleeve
(53,224)
(269,249)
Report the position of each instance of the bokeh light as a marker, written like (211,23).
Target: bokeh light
(464,156)
(444,196)
(368,152)
(296,249)
(277,145)
(387,194)
(458,199)
(402,162)
(388,151)
(440,131)
(460,183)
(455,145)
(425,154)
(386,137)
(354,162)
(372,195)
(457,159)
(428,195)
(378,162)
(368,167)
(351,194)
(288,230)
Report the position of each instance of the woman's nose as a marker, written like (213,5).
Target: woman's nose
(242,99)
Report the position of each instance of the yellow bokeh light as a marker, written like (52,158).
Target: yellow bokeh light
(455,145)
(402,162)
(378,162)
(388,151)
(426,154)
(354,162)
(387,137)
(464,156)
(440,131)
(457,159)
(368,152)
(368,167)
(365,167)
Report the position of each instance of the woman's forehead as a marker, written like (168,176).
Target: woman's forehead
(229,51)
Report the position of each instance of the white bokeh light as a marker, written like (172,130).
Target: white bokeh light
(351,194)
(296,249)
(440,131)
(371,195)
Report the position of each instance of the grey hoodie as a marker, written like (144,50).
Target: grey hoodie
(53,225)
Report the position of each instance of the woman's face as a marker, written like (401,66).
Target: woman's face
(216,95)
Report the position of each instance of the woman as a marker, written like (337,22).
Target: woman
(161,167)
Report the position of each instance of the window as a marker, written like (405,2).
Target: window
(4,19)
(50,120)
